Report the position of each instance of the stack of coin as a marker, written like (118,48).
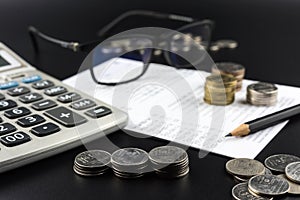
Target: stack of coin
(92,163)
(262,94)
(230,69)
(220,89)
(169,161)
(129,162)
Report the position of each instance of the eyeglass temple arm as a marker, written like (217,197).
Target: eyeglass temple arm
(34,33)
(104,31)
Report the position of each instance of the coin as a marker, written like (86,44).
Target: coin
(220,89)
(169,161)
(92,163)
(262,94)
(93,159)
(244,167)
(268,172)
(230,69)
(280,161)
(268,185)
(129,162)
(241,192)
(294,188)
(292,171)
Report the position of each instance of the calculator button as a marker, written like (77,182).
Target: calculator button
(31,79)
(30,120)
(83,104)
(31,97)
(45,129)
(6,128)
(15,139)
(100,111)
(65,116)
(18,91)
(2,97)
(6,104)
(43,105)
(69,97)
(17,112)
(56,90)
(4,86)
(42,84)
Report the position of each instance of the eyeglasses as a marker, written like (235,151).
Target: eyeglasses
(135,48)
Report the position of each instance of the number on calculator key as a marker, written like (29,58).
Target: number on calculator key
(6,104)
(30,120)
(17,112)
(15,139)
(6,128)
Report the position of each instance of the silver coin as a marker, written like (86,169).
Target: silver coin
(268,185)
(240,179)
(79,172)
(263,88)
(93,159)
(244,167)
(241,192)
(292,171)
(294,188)
(168,155)
(280,161)
(268,172)
(129,157)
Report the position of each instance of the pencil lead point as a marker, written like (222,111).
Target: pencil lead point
(228,135)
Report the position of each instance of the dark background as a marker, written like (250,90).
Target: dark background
(267,31)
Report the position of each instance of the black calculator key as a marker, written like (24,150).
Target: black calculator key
(7,104)
(69,97)
(45,129)
(17,112)
(18,91)
(42,84)
(43,105)
(97,112)
(6,128)
(83,104)
(30,120)
(31,97)
(56,90)
(15,139)
(65,116)
(2,97)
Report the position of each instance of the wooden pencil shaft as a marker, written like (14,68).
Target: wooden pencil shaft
(273,119)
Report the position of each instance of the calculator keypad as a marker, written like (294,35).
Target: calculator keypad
(18,91)
(42,84)
(69,97)
(31,97)
(65,116)
(30,120)
(17,112)
(7,104)
(83,104)
(43,105)
(56,90)
(38,124)
(45,129)
(14,139)
(6,128)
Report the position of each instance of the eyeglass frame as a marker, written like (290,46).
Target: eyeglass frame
(104,33)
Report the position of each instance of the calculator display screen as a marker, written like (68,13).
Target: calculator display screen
(3,62)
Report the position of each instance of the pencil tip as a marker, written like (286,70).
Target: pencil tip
(228,135)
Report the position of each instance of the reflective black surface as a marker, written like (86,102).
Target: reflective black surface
(268,34)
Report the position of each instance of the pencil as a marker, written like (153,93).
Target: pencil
(264,122)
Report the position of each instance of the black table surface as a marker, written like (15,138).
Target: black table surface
(269,38)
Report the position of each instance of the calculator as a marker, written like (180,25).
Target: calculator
(40,116)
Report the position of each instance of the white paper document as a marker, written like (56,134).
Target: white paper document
(167,103)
